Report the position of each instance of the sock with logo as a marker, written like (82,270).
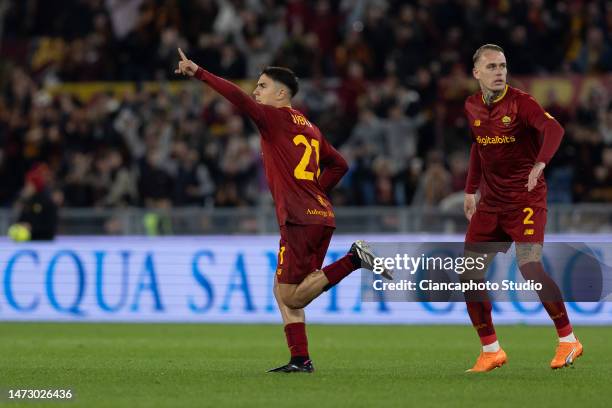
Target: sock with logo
(550,296)
(558,314)
(297,342)
(480,315)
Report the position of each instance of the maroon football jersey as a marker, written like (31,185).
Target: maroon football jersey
(301,166)
(293,149)
(507,140)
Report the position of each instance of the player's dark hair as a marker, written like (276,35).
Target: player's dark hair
(285,76)
(486,47)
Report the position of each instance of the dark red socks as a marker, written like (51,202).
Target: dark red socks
(480,314)
(297,340)
(550,296)
(340,269)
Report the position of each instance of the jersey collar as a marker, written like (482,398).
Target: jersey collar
(499,98)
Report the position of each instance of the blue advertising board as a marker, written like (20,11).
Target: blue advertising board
(211,279)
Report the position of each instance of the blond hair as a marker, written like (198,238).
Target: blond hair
(486,47)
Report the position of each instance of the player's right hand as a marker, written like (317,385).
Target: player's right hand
(186,66)
(469,205)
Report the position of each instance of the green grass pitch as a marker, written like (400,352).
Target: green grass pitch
(145,365)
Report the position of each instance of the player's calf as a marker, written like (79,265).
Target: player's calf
(300,295)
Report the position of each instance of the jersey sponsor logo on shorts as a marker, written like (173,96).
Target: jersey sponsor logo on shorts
(279,271)
(476,122)
(487,140)
(529,231)
(506,120)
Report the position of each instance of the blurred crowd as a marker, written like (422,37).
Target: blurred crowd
(137,39)
(384,80)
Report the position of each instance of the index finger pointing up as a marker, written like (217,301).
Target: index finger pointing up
(182,54)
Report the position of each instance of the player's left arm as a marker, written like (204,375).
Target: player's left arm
(472,182)
(535,116)
(334,166)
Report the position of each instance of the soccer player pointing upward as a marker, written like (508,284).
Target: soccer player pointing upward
(513,139)
(301,167)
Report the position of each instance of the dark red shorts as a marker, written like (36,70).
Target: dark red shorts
(302,250)
(520,225)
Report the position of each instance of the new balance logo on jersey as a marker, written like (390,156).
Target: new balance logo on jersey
(486,140)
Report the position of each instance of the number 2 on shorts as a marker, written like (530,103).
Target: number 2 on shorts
(527,220)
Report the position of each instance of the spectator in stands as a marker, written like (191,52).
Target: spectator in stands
(36,206)
(435,183)
(155,186)
(595,55)
(193,185)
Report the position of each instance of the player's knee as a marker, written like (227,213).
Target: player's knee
(295,302)
(291,299)
(294,305)
(276,292)
(528,253)
(481,262)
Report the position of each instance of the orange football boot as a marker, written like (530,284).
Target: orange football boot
(566,354)
(489,361)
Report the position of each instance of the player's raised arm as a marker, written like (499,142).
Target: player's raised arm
(472,182)
(227,89)
(334,166)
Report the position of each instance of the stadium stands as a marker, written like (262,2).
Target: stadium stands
(394,110)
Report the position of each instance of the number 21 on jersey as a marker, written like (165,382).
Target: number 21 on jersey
(300,171)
